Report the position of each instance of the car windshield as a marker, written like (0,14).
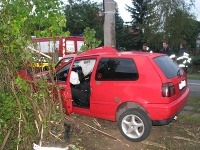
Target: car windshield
(63,61)
(167,65)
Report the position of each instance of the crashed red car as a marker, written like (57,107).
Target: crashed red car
(62,62)
(135,89)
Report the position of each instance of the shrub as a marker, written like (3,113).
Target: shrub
(196,60)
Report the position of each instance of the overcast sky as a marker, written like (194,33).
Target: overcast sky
(126,15)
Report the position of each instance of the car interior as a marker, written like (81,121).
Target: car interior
(81,92)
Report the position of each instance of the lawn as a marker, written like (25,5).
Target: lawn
(194,76)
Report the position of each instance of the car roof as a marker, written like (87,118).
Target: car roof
(108,51)
(98,51)
(138,53)
(68,56)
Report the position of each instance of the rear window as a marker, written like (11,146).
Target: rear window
(116,69)
(167,65)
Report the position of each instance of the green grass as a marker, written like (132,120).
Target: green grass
(194,101)
(193,76)
(192,116)
(190,119)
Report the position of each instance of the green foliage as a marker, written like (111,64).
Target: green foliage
(182,27)
(90,41)
(171,20)
(15,109)
(7,105)
(82,14)
(139,14)
(123,36)
(177,24)
(22,109)
(196,60)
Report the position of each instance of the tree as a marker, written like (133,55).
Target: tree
(181,26)
(165,9)
(23,112)
(123,34)
(81,14)
(177,24)
(90,41)
(139,20)
(156,20)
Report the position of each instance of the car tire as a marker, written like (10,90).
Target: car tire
(135,125)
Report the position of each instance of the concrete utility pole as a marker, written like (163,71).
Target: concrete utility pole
(109,23)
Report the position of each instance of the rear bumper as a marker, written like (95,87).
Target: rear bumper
(162,114)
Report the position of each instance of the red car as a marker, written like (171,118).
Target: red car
(135,89)
(62,62)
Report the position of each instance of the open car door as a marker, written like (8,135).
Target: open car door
(66,98)
(61,78)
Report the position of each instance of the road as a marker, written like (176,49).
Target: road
(194,86)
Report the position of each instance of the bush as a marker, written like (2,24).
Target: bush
(90,41)
(196,60)
(25,114)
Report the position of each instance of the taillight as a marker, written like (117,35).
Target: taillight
(168,90)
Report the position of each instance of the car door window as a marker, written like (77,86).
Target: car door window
(116,69)
(62,74)
(80,82)
(84,68)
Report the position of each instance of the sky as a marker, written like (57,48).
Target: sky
(126,15)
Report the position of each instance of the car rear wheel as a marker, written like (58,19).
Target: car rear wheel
(135,125)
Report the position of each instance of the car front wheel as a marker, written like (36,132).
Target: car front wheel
(135,125)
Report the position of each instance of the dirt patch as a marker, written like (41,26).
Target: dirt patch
(96,139)
(88,133)
(177,135)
